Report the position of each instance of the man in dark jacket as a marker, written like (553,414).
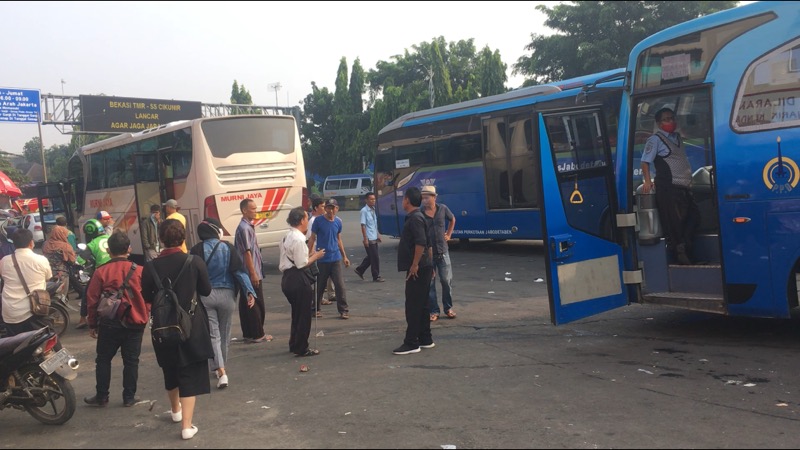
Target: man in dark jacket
(124,332)
(414,257)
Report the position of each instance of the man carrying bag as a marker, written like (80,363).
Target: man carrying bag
(124,279)
(24,273)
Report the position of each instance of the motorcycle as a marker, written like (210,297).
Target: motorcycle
(58,317)
(36,378)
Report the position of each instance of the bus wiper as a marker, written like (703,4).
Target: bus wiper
(583,95)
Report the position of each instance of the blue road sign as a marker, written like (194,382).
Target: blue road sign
(19,105)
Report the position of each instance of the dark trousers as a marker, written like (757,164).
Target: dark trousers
(418,330)
(298,292)
(109,340)
(371,260)
(334,271)
(679,216)
(252,319)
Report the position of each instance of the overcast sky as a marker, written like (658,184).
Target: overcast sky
(193,51)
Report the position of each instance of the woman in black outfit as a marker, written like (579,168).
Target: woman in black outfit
(185,365)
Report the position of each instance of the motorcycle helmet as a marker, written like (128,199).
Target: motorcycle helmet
(91,229)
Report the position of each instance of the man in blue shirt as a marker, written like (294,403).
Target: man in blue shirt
(677,209)
(369,230)
(326,233)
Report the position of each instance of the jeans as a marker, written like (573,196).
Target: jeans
(335,271)
(444,273)
(109,340)
(220,305)
(372,259)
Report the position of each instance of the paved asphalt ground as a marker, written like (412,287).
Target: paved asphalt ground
(500,376)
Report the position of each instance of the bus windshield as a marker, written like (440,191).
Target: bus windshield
(228,137)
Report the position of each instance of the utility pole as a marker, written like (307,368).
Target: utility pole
(429,78)
(277,86)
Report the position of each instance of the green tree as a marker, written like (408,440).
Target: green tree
(16,176)
(240,96)
(32,150)
(595,36)
(491,72)
(318,131)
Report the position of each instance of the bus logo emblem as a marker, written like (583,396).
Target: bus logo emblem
(781,175)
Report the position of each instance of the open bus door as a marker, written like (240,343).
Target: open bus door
(584,262)
(53,202)
(147,189)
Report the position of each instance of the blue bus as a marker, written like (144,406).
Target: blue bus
(733,80)
(483,157)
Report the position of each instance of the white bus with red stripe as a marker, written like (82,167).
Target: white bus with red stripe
(208,165)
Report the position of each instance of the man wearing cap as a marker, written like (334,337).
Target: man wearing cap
(152,246)
(326,233)
(108,222)
(171,207)
(443,224)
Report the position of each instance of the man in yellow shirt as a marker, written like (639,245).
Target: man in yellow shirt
(171,207)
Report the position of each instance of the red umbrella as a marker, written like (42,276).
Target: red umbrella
(7,187)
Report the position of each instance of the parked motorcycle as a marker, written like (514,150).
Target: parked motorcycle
(36,378)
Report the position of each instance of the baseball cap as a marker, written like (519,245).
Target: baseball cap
(103,215)
(172,203)
(331,202)
(430,190)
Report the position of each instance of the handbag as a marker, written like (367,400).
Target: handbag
(40,298)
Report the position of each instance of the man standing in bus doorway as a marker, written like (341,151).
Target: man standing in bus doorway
(171,207)
(152,246)
(252,312)
(676,206)
(443,224)
(108,222)
(327,233)
(369,230)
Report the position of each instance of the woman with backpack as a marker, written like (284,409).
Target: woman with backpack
(225,272)
(184,362)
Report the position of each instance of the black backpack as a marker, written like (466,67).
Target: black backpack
(170,324)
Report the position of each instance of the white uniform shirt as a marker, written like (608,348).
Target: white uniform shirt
(293,248)
(36,271)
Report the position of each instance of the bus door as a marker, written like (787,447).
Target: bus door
(52,204)
(584,261)
(147,189)
(511,176)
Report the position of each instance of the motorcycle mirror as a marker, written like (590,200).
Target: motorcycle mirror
(82,246)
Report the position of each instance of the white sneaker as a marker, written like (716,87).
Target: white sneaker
(177,416)
(223,382)
(188,433)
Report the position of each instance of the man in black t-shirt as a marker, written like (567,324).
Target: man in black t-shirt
(414,257)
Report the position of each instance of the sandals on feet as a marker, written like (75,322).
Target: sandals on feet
(309,352)
(451,314)
(434,317)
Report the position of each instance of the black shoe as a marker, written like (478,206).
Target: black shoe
(405,350)
(360,275)
(131,401)
(428,345)
(96,401)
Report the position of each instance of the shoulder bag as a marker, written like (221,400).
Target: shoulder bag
(40,298)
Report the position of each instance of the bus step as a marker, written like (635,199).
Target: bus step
(687,300)
(705,279)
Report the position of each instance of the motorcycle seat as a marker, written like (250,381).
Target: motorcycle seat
(9,345)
